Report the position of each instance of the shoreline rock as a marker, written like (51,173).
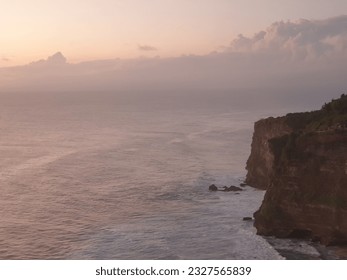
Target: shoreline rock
(214,188)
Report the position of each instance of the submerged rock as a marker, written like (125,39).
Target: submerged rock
(212,188)
(232,189)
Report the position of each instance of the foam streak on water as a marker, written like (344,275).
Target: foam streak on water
(95,181)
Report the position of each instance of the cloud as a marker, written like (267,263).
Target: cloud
(302,39)
(5,59)
(146,48)
(289,61)
(53,60)
(57,58)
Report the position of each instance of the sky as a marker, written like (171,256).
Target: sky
(105,29)
(276,52)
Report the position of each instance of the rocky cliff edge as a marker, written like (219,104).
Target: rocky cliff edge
(301,160)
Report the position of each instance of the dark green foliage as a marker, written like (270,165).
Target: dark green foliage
(337,106)
(333,115)
(278,144)
(285,149)
(299,121)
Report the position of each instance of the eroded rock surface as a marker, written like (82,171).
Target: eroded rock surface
(301,159)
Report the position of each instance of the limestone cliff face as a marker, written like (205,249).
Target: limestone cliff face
(260,162)
(306,169)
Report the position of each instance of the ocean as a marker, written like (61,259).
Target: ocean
(109,176)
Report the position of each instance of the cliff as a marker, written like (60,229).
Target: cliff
(301,159)
(260,162)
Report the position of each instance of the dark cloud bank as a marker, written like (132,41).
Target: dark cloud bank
(302,61)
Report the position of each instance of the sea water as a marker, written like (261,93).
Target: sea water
(102,177)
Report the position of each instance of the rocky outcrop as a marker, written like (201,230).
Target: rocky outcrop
(213,188)
(306,169)
(260,162)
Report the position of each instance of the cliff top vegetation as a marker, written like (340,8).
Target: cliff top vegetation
(332,115)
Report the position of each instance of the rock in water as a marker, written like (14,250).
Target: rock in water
(212,188)
(232,188)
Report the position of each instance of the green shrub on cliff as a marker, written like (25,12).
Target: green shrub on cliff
(333,115)
(337,106)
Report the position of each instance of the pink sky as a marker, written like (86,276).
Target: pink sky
(103,29)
